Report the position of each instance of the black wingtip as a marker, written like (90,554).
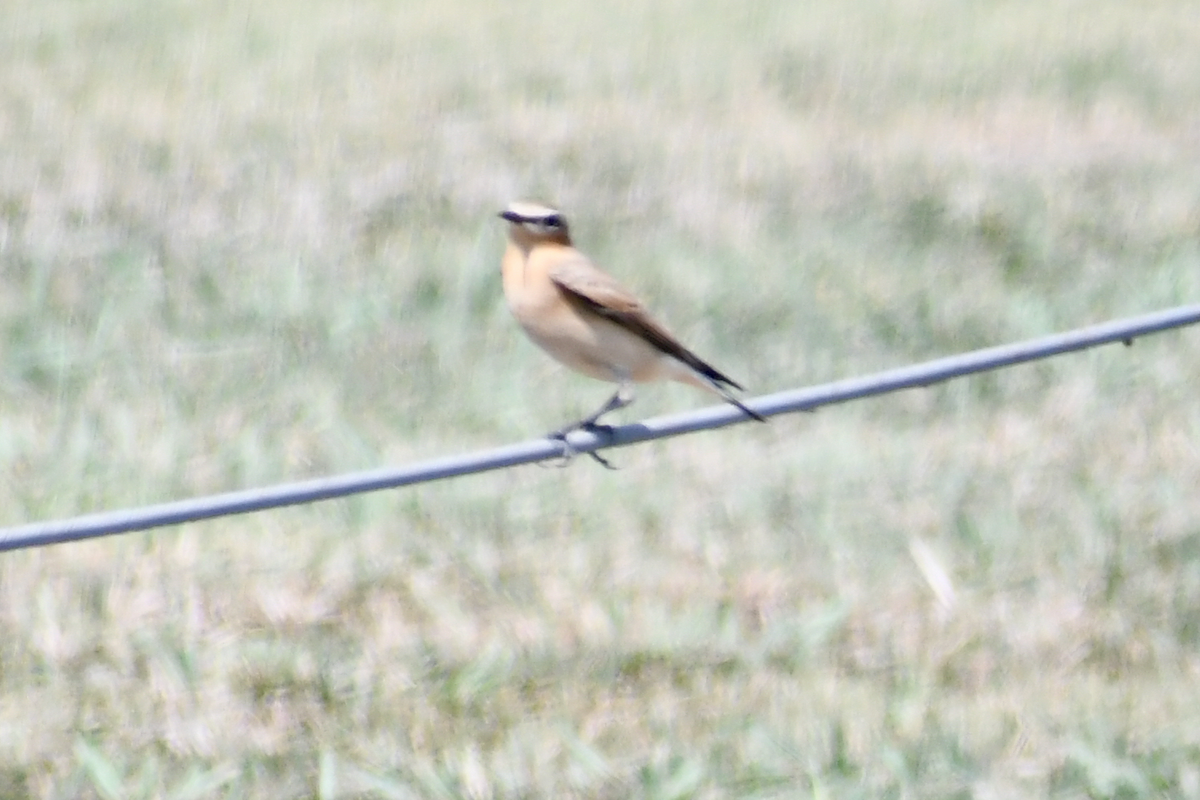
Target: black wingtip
(728,382)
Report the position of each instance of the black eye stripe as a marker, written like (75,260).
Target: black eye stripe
(550,221)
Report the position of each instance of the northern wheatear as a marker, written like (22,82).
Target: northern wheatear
(586,320)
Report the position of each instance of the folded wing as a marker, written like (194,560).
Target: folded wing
(582,283)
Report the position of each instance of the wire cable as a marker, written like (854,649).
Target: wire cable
(930,372)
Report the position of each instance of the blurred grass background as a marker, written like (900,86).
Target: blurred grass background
(241,244)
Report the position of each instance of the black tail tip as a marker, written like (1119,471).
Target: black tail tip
(751,413)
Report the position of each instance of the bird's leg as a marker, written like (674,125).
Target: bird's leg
(621,398)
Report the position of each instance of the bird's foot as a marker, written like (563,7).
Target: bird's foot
(569,452)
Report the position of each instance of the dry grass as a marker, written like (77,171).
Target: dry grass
(241,245)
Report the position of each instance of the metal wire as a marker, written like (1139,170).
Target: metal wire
(242,502)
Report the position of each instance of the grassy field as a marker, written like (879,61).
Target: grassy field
(248,243)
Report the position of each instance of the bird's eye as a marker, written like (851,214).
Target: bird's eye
(553,221)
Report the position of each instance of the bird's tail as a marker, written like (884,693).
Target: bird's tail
(728,397)
(719,388)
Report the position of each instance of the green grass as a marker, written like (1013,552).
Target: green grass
(241,245)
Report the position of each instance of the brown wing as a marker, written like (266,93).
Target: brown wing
(598,292)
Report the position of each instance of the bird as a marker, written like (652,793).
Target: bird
(583,318)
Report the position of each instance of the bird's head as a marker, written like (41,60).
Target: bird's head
(534,223)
